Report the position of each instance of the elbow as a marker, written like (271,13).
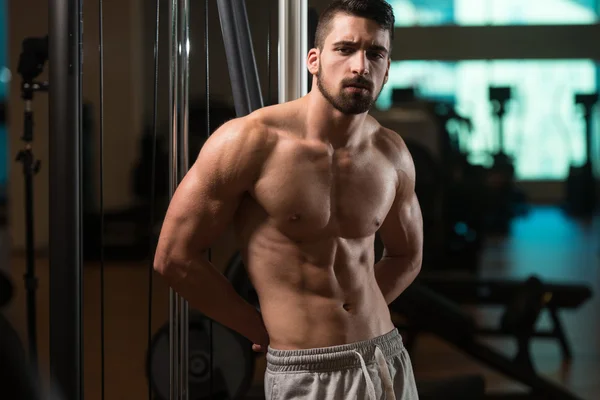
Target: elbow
(162,266)
(165,266)
(417,263)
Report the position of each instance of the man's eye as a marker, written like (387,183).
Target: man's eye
(344,50)
(375,54)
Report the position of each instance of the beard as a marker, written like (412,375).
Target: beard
(349,102)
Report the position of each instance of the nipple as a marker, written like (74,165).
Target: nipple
(377,222)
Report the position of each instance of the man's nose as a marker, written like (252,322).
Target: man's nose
(360,63)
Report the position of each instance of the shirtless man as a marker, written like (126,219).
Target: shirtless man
(307,184)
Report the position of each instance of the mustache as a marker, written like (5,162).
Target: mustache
(358,81)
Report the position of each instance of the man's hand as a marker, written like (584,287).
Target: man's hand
(260,338)
(260,348)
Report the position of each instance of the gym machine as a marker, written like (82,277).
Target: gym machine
(427,311)
(518,297)
(500,177)
(450,190)
(581,186)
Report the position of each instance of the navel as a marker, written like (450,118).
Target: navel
(294,217)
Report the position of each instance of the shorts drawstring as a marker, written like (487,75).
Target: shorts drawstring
(386,378)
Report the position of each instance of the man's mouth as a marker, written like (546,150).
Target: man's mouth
(359,86)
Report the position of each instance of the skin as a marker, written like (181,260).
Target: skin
(306,185)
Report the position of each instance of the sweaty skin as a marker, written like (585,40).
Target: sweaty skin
(306,188)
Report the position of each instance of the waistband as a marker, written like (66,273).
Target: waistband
(334,357)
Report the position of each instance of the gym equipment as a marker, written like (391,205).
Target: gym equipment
(499,178)
(429,311)
(179,323)
(448,187)
(515,294)
(232,358)
(65,50)
(33,56)
(451,190)
(232,355)
(499,96)
(581,185)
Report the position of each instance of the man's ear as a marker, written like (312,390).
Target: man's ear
(312,61)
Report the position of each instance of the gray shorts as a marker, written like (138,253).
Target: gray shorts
(375,369)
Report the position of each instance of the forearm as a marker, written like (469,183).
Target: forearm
(395,274)
(208,291)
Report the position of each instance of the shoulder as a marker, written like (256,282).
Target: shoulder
(392,146)
(237,151)
(243,139)
(239,134)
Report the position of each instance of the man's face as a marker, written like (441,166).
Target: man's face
(354,63)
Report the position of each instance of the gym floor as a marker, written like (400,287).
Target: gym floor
(545,243)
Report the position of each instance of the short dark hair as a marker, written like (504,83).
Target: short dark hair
(379,11)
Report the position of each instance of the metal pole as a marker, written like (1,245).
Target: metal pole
(243,72)
(293,48)
(174,299)
(179,12)
(246,51)
(65,49)
(184,154)
(234,62)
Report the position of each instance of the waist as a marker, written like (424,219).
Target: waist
(334,357)
(300,322)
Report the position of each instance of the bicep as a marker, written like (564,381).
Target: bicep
(198,212)
(206,200)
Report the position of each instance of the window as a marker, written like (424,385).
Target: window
(494,12)
(543,128)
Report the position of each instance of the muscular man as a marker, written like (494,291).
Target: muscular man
(307,184)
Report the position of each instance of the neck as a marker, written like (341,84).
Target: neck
(329,125)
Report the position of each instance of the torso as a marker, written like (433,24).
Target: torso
(307,232)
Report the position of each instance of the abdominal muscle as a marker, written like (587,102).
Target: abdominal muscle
(316,293)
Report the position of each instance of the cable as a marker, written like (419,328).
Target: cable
(207,82)
(102,339)
(269,4)
(153,188)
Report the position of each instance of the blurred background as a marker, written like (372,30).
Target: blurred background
(497,101)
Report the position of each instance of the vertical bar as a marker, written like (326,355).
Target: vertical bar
(65,49)
(173,179)
(293,47)
(183,154)
(240,56)
(234,62)
(179,13)
(246,51)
